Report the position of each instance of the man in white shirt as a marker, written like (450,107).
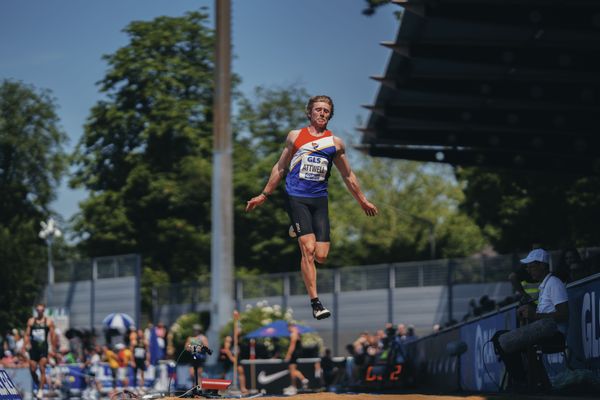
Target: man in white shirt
(552,306)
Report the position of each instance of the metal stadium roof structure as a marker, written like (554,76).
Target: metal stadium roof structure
(494,83)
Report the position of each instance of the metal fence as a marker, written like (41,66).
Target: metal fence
(195,296)
(96,268)
(91,289)
(382,276)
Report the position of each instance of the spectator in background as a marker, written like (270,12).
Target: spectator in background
(568,257)
(92,367)
(293,353)
(486,304)
(410,334)
(141,357)
(39,341)
(125,358)
(523,284)
(244,354)
(331,373)
(226,358)
(113,363)
(197,358)
(19,342)
(552,304)
(9,342)
(66,356)
(161,338)
(9,361)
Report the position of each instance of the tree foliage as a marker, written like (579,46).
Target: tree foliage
(372,6)
(145,156)
(408,195)
(516,209)
(31,164)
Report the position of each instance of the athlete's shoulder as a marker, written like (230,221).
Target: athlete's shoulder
(292,136)
(339,143)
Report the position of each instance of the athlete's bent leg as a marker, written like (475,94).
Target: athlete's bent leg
(307,264)
(308,247)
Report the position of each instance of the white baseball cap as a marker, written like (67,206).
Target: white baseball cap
(539,255)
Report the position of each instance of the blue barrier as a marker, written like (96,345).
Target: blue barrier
(8,391)
(584,323)
(73,378)
(479,367)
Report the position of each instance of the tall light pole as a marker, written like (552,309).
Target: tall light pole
(48,233)
(221,265)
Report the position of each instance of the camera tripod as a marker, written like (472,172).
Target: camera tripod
(205,387)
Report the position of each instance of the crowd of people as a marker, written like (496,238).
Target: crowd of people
(385,347)
(40,345)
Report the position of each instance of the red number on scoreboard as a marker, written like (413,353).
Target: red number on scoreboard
(395,375)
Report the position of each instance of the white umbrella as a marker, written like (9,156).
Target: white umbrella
(119,321)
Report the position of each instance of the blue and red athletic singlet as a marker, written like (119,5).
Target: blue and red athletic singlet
(311,165)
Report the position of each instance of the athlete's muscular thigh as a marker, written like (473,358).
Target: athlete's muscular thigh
(307,245)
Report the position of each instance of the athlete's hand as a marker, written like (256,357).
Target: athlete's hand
(255,202)
(369,208)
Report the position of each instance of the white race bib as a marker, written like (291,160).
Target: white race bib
(139,352)
(313,168)
(38,335)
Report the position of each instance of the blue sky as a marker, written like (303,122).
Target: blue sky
(327,46)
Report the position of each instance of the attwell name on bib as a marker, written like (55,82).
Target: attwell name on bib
(313,168)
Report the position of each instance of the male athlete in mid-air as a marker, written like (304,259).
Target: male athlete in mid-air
(306,159)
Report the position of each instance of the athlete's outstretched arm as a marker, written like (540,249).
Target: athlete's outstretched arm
(277,172)
(351,181)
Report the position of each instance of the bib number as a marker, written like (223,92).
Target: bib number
(139,352)
(38,335)
(313,168)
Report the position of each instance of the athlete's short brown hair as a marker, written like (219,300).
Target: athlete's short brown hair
(315,99)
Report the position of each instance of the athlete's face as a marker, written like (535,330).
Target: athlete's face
(40,311)
(320,114)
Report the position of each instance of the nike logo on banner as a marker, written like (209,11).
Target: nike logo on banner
(265,379)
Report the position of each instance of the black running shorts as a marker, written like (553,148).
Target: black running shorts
(309,215)
(36,354)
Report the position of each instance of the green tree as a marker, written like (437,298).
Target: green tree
(515,209)
(31,164)
(407,194)
(145,156)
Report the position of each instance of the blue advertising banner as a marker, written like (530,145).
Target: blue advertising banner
(583,337)
(8,391)
(480,368)
(429,364)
